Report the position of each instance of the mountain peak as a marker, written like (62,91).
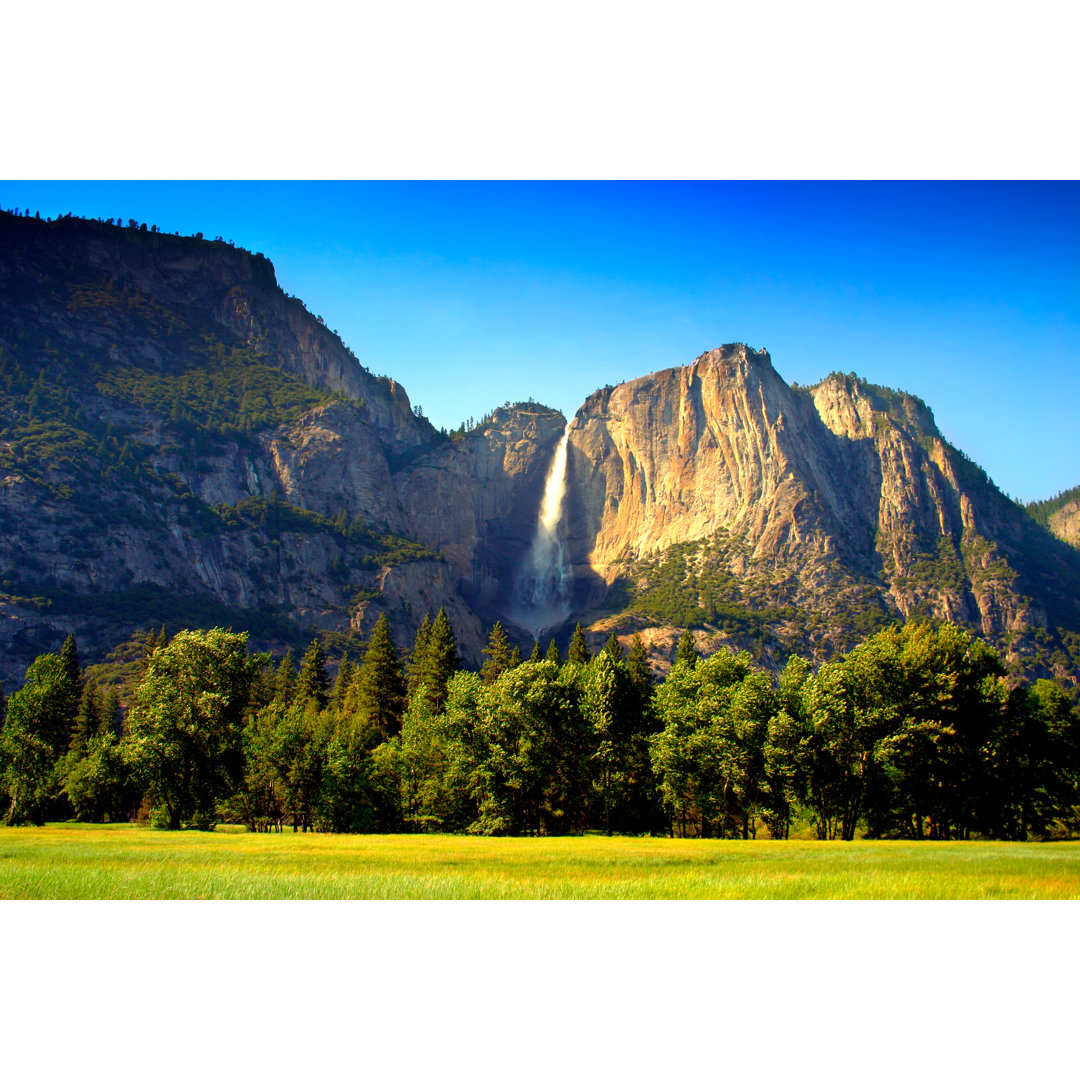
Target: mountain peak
(735,350)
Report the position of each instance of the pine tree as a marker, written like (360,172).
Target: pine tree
(438,663)
(380,685)
(152,642)
(686,653)
(498,656)
(443,656)
(613,648)
(109,715)
(342,681)
(553,653)
(536,654)
(69,657)
(71,683)
(638,665)
(578,653)
(87,719)
(313,684)
(285,679)
(417,658)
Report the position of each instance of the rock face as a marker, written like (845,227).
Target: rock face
(182,443)
(331,460)
(475,500)
(669,457)
(832,498)
(290,526)
(1065,523)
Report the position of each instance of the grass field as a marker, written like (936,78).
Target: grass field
(123,862)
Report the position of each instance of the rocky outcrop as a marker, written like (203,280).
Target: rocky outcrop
(670,457)
(154,555)
(1065,523)
(331,460)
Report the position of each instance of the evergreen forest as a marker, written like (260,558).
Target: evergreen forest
(915,733)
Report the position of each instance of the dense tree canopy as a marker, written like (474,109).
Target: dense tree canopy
(915,733)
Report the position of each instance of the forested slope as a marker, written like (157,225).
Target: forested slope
(183,444)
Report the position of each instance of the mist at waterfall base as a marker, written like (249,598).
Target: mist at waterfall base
(542,587)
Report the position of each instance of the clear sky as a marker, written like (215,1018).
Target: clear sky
(472,294)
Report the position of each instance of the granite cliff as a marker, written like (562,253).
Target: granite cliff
(829,510)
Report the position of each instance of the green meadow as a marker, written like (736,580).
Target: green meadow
(125,862)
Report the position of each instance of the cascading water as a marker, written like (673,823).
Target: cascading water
(542,589)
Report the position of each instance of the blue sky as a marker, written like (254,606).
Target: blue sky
(472,294)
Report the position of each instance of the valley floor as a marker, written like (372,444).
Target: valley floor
(124,862)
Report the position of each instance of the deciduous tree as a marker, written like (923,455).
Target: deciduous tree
(185,725)
(34,735)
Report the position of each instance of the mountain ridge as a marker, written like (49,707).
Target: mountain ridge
(173,421)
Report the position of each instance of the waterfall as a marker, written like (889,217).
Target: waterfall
(542,589)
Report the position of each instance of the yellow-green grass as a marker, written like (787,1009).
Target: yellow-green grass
(121,862)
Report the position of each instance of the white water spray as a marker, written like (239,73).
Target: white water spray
(542,591)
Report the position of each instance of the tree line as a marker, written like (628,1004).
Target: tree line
(915,733)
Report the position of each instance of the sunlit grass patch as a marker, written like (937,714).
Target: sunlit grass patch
(127,862)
